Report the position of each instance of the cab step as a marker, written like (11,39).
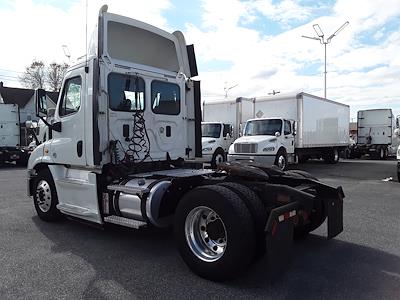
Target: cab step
(128,189)
(125,222)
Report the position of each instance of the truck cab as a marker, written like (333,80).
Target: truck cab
(269,141)
(216,138)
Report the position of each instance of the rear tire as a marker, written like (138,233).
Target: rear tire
(45,197)
(211,250)
(331,156)
(257,211)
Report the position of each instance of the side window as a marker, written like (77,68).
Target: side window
(126,92)
(227,129)
(71,97)
(165,98)
(287,128)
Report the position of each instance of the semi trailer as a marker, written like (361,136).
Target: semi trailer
(127,122)
(14,136)
(377,134)
(222,124)
(291,128)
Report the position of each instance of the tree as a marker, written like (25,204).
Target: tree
(54,75)
(34,76)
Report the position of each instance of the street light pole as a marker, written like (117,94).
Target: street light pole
(324,42)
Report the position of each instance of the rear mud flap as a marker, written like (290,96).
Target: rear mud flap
(279,248)
(335,213)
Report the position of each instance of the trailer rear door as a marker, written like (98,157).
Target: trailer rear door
(374,126)
(9,125)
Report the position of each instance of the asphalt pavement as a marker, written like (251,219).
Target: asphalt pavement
(70,260)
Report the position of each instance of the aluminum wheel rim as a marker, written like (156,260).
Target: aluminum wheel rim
(382,153)
(336,155)
(281,162)
(206,245)
(219,158)
(43,196)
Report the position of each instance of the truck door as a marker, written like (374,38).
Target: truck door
(288,137)
(68,145)
(227,136)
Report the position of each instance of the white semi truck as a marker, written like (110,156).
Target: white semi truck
(222,123)
(291,128)
(126,121)
(377,134)
(13,136)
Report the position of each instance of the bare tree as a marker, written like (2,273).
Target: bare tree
(34,76)
(54,74)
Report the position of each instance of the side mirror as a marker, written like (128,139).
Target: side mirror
(29,124)
(397,132)
(294,128)
(41,103)
(277,134)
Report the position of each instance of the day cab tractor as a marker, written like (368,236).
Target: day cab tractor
(127,123)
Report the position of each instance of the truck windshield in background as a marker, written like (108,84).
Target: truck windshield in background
(210,130)
(263,127)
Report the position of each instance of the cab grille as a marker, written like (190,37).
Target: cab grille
(245,148)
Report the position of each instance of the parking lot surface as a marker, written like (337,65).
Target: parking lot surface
(70,260)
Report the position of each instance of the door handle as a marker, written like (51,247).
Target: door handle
(79,148)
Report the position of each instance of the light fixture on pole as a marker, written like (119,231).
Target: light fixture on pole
(66,52)
(324,42)
(226,89)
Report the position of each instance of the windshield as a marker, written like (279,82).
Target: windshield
(263,127)
(210,130)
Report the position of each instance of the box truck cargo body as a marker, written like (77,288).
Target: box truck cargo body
(222,123)
(13,136)
(377,133)
(304,126)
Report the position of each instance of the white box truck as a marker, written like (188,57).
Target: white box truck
(13,136)
(222,123)
(293,127)
(377,134)
(127,120)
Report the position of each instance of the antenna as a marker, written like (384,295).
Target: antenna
(86,35)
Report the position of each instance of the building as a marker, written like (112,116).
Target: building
(24,98)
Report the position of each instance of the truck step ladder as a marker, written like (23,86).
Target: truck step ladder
(128,189)
(125,222)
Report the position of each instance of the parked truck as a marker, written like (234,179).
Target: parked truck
(13,136)
(126,121)
(222,123)
(292,128)
(377,134)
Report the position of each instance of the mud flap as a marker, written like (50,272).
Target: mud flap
(279,248)
(335,213)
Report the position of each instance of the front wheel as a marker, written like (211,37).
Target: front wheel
(45,197)
(281,160)
(215,232)
(217,158)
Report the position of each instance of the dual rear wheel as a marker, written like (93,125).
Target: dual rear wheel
(218,231)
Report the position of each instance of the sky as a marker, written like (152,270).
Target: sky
(252,47)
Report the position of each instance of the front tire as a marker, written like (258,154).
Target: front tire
(215,233)
(281,160)
(45,197)
(217,158)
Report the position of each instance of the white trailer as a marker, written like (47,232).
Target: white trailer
(377,134)
(293,127)
(222,124)
(126,121)
(13,137)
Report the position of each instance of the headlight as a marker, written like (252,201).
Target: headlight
(398,153)
(269,149)
(207,149)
